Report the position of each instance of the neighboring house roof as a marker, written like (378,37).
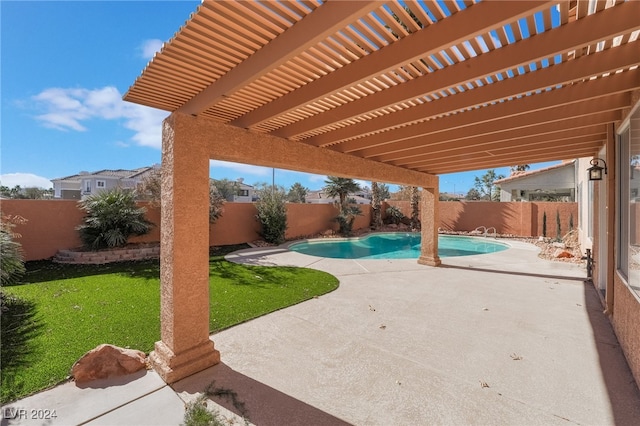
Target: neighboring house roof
(108,173)
(527,174)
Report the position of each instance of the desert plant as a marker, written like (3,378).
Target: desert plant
(571,222)
(11,257)
(415,208)
(558,227)
(112,217)
(151,190)
(272,213)
(376,205)
(544,224)
(394,214)
(346,218)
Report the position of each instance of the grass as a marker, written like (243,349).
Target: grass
(72,309)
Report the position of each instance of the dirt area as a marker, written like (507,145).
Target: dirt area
(566,250)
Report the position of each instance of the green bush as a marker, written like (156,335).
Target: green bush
(272,213)
(346,218)
(112,217)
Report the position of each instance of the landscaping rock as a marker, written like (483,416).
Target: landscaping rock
(562,254)
(106,361)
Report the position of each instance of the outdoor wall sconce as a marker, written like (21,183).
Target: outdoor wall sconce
(595,171)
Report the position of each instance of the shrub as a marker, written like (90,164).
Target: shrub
(345,219)
(11,256)
(394,214)
(272,213)
(112,217)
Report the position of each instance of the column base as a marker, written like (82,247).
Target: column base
(430,261)
(173,367)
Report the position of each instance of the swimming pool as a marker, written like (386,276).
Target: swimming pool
(395,245)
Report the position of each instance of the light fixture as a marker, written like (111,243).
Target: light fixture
(595,171)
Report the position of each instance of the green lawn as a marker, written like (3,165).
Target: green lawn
(71,309)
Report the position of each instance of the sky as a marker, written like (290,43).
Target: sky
(64,67)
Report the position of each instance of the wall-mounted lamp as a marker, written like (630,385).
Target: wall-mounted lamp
(595,171)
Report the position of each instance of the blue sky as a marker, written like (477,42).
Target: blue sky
(64,68)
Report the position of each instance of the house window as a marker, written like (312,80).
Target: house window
(629,196)
(243,192)
(87,186)
(101,184)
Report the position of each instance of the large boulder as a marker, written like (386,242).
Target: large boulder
(106,361)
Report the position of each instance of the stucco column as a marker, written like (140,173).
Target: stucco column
(430,220)
(185,347)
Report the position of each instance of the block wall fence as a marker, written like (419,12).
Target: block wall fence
(51,224)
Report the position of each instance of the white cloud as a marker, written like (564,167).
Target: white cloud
(25,180)
(150,47)
(70,109)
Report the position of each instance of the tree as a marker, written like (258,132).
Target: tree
(216,203)
(376,205)
(151,191)
(112,217)
(403,194)
(340,187)
(227,188)
(272,213)
(297,193)
(519,168)
(485,184)
(151,188)
(383,188)
(472,195)
(415,208)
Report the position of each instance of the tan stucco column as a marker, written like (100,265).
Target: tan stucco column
(429,221)
(185,347)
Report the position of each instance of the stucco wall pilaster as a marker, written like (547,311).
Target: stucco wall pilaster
(184,259)
(429,218)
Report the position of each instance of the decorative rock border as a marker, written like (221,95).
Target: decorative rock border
(124,254)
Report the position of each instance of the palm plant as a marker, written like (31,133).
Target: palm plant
(341,188)
(11,256)
(394,214)
(112,217)
(415,208)
(376,205)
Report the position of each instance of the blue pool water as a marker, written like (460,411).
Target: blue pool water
(396,245)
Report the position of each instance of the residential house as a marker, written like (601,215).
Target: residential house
(245,193)
(554,183)
(320,197)
(84,184)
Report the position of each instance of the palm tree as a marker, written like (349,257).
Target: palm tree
(415,208)
(376,205)
(340,187)
(112,217)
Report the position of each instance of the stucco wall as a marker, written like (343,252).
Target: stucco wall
(626,317)
(516,218)
(51,224)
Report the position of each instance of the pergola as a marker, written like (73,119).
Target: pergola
(389,91)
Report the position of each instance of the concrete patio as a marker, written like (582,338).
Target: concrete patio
(504,338)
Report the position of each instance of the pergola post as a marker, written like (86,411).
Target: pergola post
(430,220)
(185,347)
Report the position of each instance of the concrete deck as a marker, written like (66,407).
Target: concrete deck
(503,338)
